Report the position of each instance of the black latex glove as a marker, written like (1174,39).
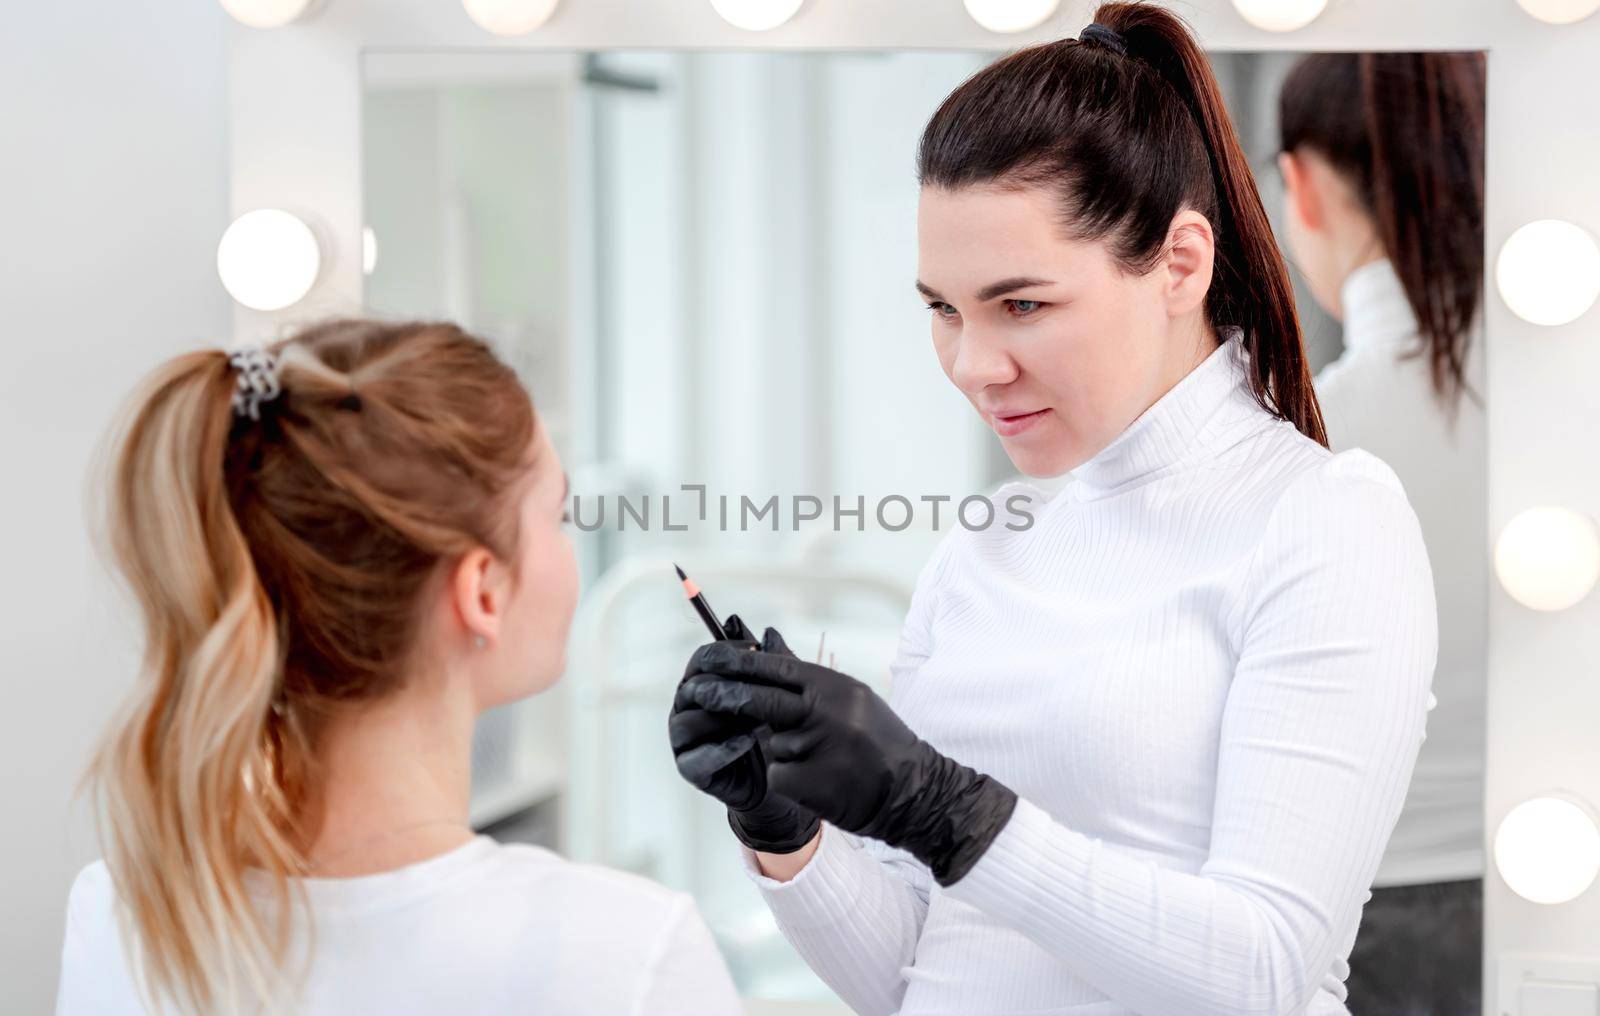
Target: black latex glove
(839,749)
(725,755)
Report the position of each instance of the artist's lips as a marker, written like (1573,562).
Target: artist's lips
(1016,423)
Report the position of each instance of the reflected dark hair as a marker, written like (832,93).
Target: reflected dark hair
(1127,139)
(1406,131)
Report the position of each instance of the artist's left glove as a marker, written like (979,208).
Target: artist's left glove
(725,756)
(838,749)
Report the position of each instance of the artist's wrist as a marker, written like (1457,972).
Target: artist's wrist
(775,826)
(787,867)
(951,819)
(986,807)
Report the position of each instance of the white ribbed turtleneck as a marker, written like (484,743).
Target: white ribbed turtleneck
(1204,670)
(1378,398)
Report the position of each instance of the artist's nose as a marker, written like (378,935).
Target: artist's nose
(981,361)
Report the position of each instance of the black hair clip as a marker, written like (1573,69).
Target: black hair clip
(257,380)
(1105,37)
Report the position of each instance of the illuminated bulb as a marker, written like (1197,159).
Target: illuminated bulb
(509,17)
(1549,272)
(1011,15)
(1548,558)
(1560,12)
(1279,15)
(1548,850)
(268,259)
(265,13)
(369,250)
(756,15)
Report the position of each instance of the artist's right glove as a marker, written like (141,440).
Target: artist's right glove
(840,749)
(726,757)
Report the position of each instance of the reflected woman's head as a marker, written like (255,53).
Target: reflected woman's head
(388,522)
(1382,156)
(1088,221)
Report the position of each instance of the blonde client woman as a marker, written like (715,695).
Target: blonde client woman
(1143,756)
(346,548)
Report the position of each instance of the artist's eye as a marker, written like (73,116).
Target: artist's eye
(1023,308)
(941,309)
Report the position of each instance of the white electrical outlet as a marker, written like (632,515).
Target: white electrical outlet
(1537,985)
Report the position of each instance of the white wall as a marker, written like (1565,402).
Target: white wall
(113,192)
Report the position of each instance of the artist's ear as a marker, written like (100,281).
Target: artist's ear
(1303,197)
(1188,262)
(480,590)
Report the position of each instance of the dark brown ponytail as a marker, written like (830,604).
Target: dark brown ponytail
(1130,129)
(1406,131)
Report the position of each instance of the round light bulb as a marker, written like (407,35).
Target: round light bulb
(1279,15)
(369,250)
(265,13)
(1548,850)
(1548,558)
(1560,12)
(1011,15)
(268,259)
(509,17)
(1549,272)
(756,15)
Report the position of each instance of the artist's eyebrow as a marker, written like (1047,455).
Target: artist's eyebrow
(1004,286)
(993,290)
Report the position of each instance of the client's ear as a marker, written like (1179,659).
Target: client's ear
(480,587)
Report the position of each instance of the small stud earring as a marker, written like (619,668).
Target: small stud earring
(480,641)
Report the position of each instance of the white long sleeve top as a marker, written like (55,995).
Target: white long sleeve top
(1375,397)
(484,929)
(1204,670)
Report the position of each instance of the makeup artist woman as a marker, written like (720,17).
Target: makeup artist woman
(1144,756)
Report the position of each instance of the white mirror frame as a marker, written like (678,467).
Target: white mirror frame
(295,102)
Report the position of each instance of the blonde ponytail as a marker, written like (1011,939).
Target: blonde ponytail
(278,558)
(187,784)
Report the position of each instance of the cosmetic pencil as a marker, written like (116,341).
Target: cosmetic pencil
(697,599)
